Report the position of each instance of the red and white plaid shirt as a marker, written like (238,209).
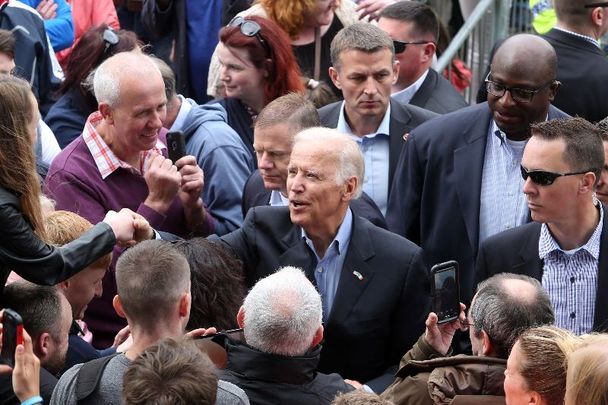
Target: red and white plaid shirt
(107,162)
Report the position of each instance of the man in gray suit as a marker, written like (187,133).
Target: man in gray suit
(364,68)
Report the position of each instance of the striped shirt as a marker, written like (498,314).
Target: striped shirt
(570,278)
(502,202)
(107,162)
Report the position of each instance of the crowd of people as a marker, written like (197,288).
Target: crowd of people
(252,215)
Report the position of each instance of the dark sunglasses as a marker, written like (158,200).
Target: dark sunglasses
(543,178)
(249,28)
(110,38)
(593,5)
(400,46)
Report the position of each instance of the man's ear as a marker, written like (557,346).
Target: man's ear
(42,346)
(106,112)
(240,317)
(553,88)
(334,75)
(118,307)
(349,188)
(318,337)
(428,51)
(487,348)
(396,67)
(64,285)
(184,305)
(587,183)
(534,398)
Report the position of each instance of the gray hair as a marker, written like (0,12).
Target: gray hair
(106,82)
(504,313)
(348,156)
(282,313)
(364,37)
(168,77)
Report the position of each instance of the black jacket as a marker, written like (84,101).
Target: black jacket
(274,379)
(23,252)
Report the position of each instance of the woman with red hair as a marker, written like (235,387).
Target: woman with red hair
(257,65)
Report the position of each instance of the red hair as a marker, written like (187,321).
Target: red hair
(284,74)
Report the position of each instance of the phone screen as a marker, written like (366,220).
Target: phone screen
(446,300)
(12,335)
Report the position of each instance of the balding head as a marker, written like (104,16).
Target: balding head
(526,54)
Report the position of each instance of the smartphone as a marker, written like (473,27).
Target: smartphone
(12,335)
(176,144)
(445,291)
(233,333)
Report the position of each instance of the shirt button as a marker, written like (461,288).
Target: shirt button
(320,269)
(572,279)
(572,315)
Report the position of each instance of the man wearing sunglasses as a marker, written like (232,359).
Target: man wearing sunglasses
(414,28)
(581,63)
(566,247)
(458,180)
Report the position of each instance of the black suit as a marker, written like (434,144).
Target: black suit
(516,251)
(373,320)
(583,70)
(255,195)
(438,95)
(435,196)
(404,118)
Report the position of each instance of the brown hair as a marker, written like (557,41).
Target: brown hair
(288,14)
(7,43)
(17,159)
(63,227)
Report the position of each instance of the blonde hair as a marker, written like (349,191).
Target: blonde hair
(17,159)
(544,352)
(587,377)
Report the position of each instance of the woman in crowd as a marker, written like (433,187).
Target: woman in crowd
(536,368)
(301,19)
(22,248)
(67,116)
(256,66)
(587,378)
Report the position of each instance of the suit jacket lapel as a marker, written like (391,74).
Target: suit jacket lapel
(297,253)
(399,126)
(600,322)
(352,284)
(529,261)
(422,96)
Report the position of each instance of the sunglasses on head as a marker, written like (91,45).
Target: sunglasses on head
(600,4)
(249,28)
(110,38)
(401,45)
(544,178)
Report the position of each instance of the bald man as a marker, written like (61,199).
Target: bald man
(119,161)
(458,180)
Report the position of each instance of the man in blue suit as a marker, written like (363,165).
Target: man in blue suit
(458,180)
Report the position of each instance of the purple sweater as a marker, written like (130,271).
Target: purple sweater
(75,183)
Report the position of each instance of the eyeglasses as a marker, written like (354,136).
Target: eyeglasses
(400,45)
(110,38)
(593,5)
(517,93)
(249,28)
(543,178)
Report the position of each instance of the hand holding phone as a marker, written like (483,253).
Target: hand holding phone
(176,144)
(445,291)
(12,335)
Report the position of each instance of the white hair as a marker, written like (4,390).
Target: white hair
(349,159)
(282,313)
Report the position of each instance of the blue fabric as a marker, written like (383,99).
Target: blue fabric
(224,159)
(67,117)
(59,29)
(204,21)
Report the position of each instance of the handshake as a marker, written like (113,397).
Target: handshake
(129,227)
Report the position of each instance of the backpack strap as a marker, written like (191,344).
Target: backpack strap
(89,376)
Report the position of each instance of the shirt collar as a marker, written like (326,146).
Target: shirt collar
(548,244)
(405,96)
(107,162)
(277,199)
(576,34)
(184,110)
(383,128)
(342,236)
(501,135)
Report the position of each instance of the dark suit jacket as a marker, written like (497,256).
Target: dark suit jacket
(438,95)
(583,70)
(373,321)
(516,251)
(255,195)
(435,196)
(404,118)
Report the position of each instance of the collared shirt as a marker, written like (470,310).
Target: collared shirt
(107,162)
(277,199)
(405,96)
(375,149)
(503,204)
(576,34)
(570,278)
(329,268)
(184,110)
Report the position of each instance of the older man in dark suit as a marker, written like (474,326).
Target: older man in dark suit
(458,180)
(373,283)
(566,247)
(364,68)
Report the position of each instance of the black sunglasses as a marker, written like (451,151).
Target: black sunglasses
(249,28)
(400,45)
(593,5)
(543,178)
(110,38)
